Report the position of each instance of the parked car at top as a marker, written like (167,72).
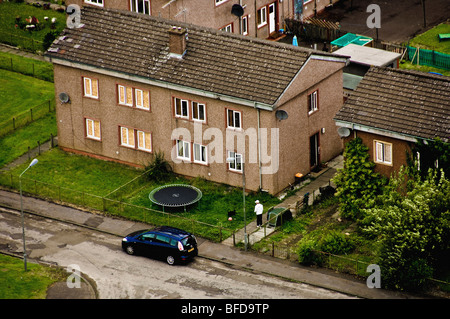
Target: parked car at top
(169,243)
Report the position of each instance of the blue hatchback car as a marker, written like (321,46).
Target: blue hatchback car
(172,244)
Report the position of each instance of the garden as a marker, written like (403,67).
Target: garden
(30,27)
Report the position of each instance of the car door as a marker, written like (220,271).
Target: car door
(147,244)
(162,246)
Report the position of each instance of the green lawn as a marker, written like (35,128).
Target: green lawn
(9,33)
(32,284)
(19,93)
(423,68)
(32,67)
(429,40)
(16,143)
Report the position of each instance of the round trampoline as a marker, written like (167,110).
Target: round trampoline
(175,195)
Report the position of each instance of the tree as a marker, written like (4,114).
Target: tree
(357,184)
(412,224)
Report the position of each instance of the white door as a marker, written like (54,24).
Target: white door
(272,17)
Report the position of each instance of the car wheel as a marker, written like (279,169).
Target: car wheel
(130,250)
(170,260)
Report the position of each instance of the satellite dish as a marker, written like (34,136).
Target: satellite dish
(64,97)
(343,132)
(237,10)
(281,115)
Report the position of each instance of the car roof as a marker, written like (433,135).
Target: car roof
(171,231)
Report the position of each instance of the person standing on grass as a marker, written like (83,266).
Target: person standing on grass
(259,213)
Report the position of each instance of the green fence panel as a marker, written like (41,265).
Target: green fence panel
(429,57)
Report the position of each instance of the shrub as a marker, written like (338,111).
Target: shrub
(332,242)
(159,169)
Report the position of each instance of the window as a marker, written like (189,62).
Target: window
(130,96)
(90,87)
(127,137)
(93,129)
(181,108)
(183,149)
(140,6)
(245,25)
(144,141)
(142,99)
(198,111)
(125,95)
(383,152)
(234,119)
(219,2)
(235,165)
(262,16)
(95,2)
(228,28)
(200,154)
(313,104)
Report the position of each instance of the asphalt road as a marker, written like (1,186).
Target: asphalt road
(118,275)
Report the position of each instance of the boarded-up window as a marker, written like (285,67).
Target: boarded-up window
(142,99)
(125,95)
(90,87)
(127,137)
(93,129)
(144,141)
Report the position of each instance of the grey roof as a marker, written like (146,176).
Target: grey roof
(218,62)
(410,103)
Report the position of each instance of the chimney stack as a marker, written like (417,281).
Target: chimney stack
(177,42)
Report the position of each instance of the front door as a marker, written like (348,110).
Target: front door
(314,150)
(272,17)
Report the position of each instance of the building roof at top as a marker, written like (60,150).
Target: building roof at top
(215,61)
(410,103)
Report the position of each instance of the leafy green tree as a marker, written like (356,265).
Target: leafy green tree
(357,184)
(412,224)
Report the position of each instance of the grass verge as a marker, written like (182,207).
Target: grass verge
(32,284)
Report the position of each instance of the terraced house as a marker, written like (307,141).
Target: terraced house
(131,85)
(257,18)
(391,110)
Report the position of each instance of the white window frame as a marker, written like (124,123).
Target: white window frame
(313,102)
(262,16)
(125,98)
(197,105)
(185,150)
(228,28)
(141,141)
(233,124)
(383,152)
(136,7)
(142,94)
(202,151)
(219,2)
(129,137)
(90,126)
(245,25)
(87,83)
(233,166)
(98,3)
(182,102)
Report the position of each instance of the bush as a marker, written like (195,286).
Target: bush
(159,169)
(332,242)
(357,183)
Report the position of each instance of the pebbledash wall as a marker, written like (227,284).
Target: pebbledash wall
(282,146)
